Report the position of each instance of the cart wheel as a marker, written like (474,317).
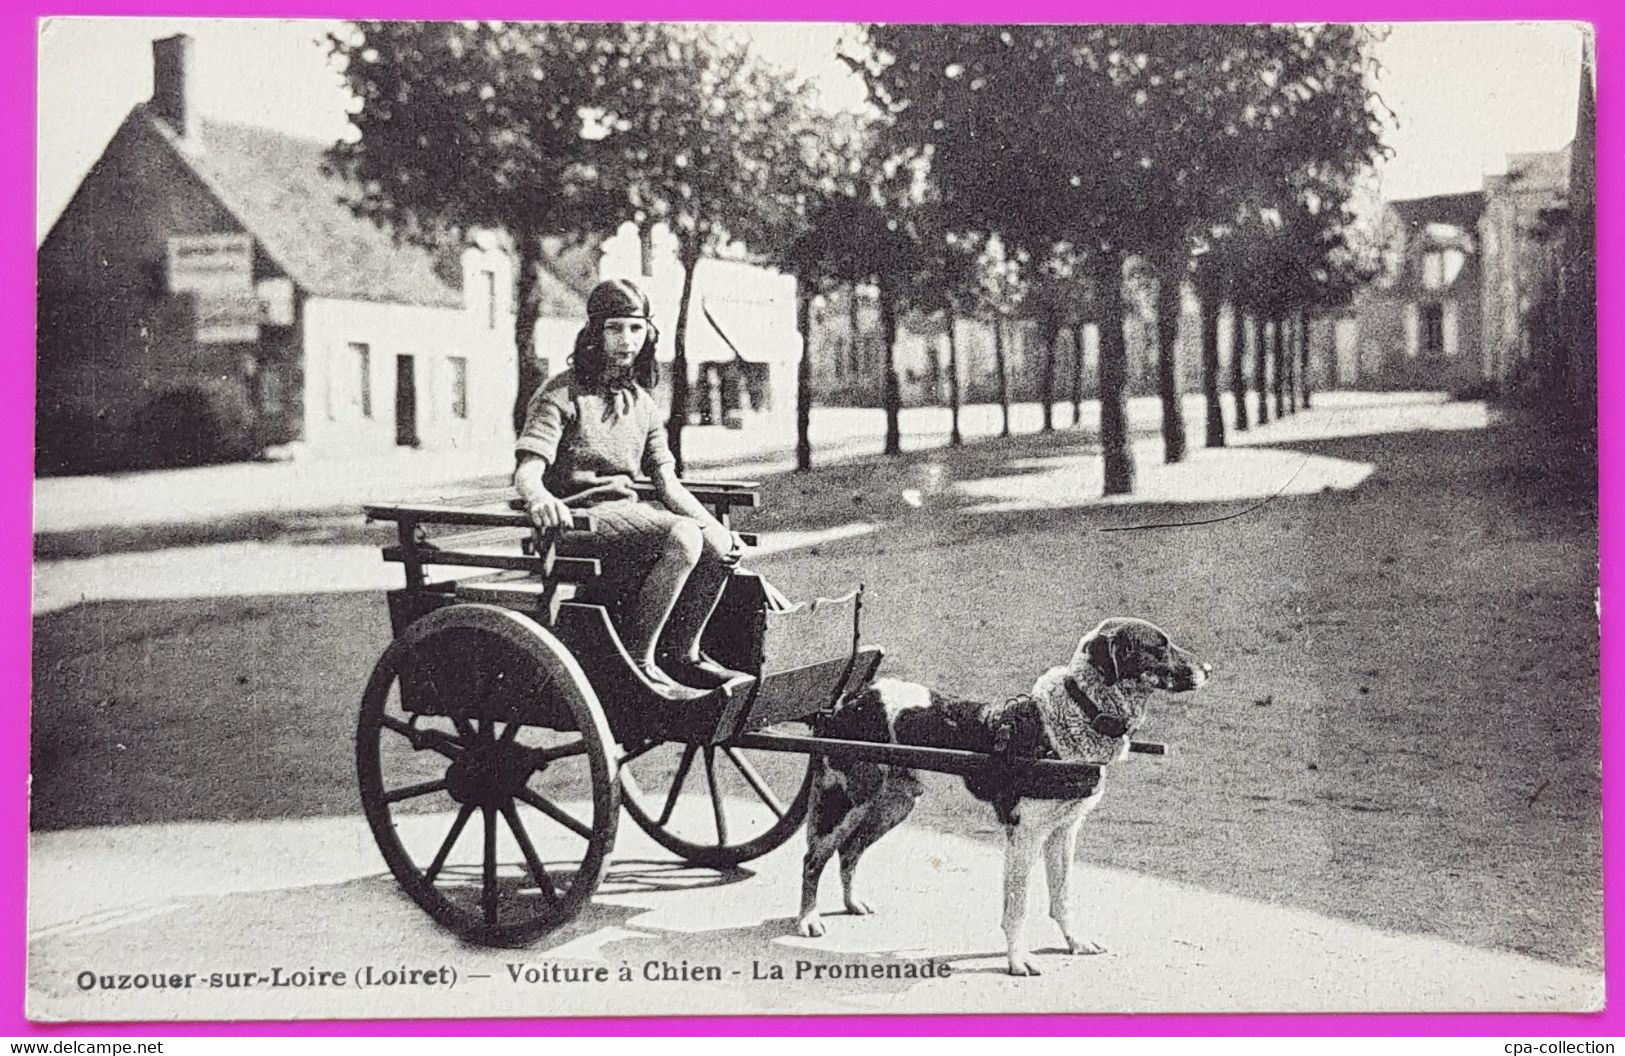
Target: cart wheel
(715,805)
(487,774)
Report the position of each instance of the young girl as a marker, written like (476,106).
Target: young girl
(587,433)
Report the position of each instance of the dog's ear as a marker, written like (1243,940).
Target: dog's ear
(1102,656)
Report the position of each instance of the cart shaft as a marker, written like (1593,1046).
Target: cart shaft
(938,760)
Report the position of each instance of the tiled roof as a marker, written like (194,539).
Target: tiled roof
(275,185)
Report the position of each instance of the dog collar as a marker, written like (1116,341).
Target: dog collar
(1102,722)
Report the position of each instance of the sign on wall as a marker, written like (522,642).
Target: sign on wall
(210,263)
(276,301)
(218,271)
(227,316)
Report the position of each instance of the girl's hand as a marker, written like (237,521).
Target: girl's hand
(541,506)
(737,552)
(547,511)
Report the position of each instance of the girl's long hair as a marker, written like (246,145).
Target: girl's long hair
(589,362)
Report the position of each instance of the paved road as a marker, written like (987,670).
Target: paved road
(249,897)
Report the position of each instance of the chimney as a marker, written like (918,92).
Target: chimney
(172,85)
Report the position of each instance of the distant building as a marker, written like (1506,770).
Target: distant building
(847,369)
(200,262)
(1417,326)
(1523,228)
(849,354)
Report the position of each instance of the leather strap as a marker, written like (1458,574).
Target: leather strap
(1104,723)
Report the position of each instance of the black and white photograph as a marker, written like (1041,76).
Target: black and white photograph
(578,519)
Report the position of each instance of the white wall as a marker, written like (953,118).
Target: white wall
(432,337)
(334,420)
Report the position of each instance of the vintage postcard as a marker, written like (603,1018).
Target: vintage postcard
(644,519)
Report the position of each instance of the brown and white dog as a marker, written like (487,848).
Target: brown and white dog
(1086,711)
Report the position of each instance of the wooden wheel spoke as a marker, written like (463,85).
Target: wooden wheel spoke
(488,880)
(677,784)
(463,705)
(413,791)
(640,752)
(716,795)
(432,740)
(533,861)
(556,813)
(451,839)
(754,780)
(542,756)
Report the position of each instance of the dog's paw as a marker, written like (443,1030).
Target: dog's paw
(810,927)
(1083,947)
(1022,966)
(858,907)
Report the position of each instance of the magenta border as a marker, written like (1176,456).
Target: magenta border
(17,283)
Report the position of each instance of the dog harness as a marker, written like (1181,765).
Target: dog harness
(1105,723)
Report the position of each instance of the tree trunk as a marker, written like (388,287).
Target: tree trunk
(1114,446)
(1278,359)
(1210,373)
(1046,381)
(1303,364)
(1261,370)
(804,379)
(954,437)
(1240,327)
(1173,413)
(528,368)
(1077,375)
(891,388)
(1003,371)
(1293,337)
(855,362)
(679,365)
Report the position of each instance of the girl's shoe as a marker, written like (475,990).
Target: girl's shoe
(664,684)
(703,671)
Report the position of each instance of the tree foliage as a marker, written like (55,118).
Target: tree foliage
(465,125)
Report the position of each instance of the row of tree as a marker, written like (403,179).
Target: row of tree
(997,171)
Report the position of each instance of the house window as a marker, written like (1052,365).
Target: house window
(459,386)
(1450,328)
(361,362)
(1440,267)
(1433,271)
(488,286)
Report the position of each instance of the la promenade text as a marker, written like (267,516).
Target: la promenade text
(542,973)
(662,971)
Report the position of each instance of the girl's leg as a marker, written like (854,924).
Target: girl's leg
(642,622)
(680,646)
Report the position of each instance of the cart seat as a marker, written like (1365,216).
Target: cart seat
(515,590)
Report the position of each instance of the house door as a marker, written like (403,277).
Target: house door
(1433,330)
(406,403)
